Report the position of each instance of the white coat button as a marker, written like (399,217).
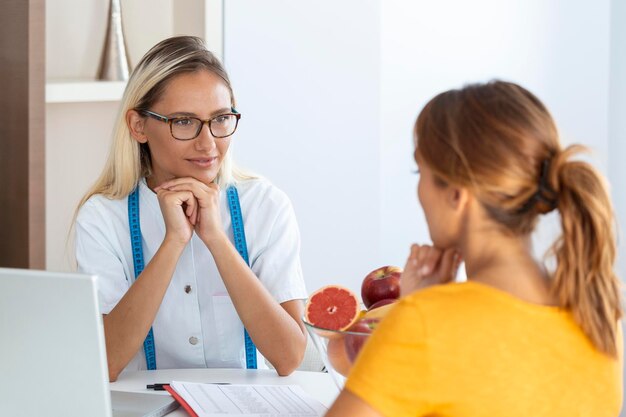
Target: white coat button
(187,289)
(193,340)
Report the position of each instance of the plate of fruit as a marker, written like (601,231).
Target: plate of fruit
(339,324)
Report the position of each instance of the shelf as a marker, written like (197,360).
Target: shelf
(83,91)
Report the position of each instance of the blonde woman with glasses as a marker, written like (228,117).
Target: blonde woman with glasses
(198,263)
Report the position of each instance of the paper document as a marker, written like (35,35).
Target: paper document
(210,400)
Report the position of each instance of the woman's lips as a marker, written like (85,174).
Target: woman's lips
(203,162)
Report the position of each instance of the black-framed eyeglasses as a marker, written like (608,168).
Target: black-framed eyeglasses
(188,128)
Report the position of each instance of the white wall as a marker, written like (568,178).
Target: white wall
(557,49)
(306,78)
(77,142)
(617,122)
(617,127)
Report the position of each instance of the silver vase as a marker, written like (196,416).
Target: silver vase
(114,62)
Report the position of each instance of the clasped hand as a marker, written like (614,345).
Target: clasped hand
(189,205)
(427,266)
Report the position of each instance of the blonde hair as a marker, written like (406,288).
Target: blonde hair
(500,141)
(128,160)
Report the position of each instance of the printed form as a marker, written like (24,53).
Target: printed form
(210,400)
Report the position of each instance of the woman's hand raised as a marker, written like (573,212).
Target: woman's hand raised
(202,210)
(178,208)
(427,266)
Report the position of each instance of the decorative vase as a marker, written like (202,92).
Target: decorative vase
(114,62)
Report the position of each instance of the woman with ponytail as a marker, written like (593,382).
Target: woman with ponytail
(516,339)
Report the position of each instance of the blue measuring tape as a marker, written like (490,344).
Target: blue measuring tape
(138,263)
(239,236)
(135,241)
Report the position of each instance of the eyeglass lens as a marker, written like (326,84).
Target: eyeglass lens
(186,128)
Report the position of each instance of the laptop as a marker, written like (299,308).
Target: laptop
(52,351)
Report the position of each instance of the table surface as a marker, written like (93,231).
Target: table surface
(317,384)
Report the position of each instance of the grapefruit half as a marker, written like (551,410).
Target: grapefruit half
(332,307)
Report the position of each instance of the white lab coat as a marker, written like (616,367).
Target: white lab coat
(197,325)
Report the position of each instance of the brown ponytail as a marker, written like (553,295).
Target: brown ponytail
(500,141)
(584,280)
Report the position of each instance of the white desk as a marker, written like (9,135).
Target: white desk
(319,385)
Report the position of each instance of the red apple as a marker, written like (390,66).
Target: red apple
(380,284)
(357,336)
(382,302)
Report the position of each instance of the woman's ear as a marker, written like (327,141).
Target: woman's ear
(135,123)
(457,197)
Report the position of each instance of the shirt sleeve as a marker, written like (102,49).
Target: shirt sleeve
(393,372)
(98,253)
(277,263)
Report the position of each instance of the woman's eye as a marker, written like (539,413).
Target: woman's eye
(183,122)
(221,119)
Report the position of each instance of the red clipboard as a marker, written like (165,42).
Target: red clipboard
(180,400)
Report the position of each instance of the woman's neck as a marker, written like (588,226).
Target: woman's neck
(506,263)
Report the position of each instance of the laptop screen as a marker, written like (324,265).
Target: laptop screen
(52,352)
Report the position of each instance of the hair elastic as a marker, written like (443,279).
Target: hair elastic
(544,194)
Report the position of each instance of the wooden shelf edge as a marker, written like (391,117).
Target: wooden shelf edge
(80,91)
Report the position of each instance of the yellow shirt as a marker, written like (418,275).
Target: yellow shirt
(468,350)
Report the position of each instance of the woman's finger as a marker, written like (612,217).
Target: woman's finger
(173,206)
(421,259)
(178,181)
(410,279)
(195,188)
(205,195)
(412,261)
(446,270)
(431,261)
(190,201)
(193,216)
(196,215)
(185,200)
